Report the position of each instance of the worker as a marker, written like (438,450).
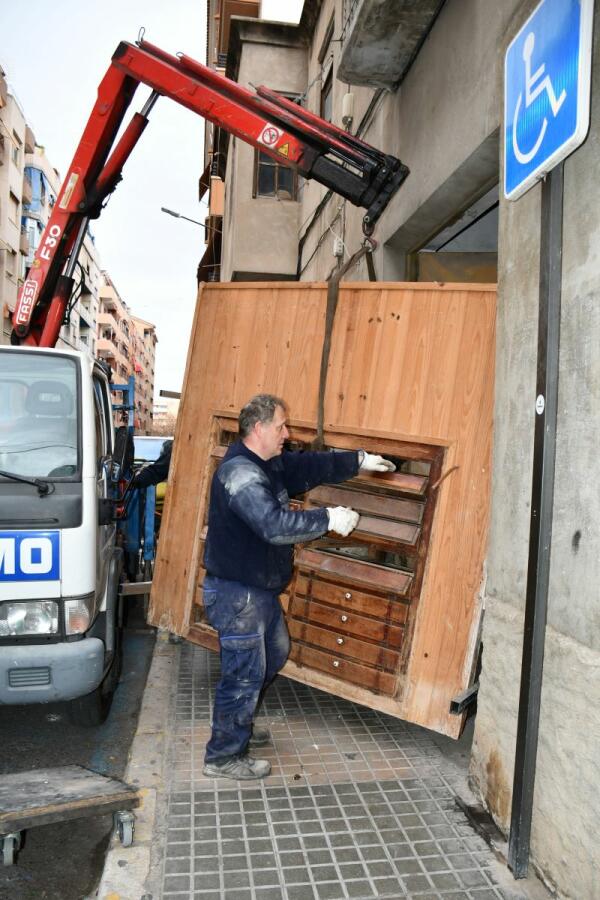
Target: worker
(156,471)
(248,559)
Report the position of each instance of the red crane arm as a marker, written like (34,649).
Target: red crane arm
(272,124)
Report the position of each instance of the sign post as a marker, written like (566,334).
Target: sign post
(546,116)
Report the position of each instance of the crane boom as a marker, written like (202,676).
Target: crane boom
(274,125)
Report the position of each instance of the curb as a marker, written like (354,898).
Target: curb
(128,870)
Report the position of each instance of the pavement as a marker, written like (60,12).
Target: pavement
(41,736)
(359,804)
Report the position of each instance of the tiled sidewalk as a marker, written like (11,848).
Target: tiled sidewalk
(359,805)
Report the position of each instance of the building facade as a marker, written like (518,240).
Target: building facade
(424,82)
(128,344)
(144,344)
(42,181)
(16,139)
(29,185)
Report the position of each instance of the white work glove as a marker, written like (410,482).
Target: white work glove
(370,462)
(342,520)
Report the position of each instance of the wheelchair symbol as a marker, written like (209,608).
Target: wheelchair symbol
(531,92)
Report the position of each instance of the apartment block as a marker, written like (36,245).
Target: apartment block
(16,139)
(128,344)
(145,341)
(29,186)
(41,187)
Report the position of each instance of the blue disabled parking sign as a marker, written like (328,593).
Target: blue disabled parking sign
(546,91)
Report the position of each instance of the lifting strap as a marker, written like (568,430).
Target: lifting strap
(333,290)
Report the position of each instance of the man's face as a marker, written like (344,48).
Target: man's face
(272,434)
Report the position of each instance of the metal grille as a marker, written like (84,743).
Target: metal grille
(32,677)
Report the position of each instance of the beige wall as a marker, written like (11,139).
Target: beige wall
(12,129)
(260,234)
(443,122)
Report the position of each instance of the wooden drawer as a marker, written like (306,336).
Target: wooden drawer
(366,575)
(346,622)
(344,669)
(351,599)
(336,642)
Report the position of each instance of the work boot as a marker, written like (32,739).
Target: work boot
(259,737)
(239,768)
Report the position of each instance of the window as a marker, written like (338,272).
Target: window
(327,96)
(325,58)
(10,263)
(38,412)
(16,149)
(13,208)
(272,179)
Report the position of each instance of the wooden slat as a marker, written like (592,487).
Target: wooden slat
(219,451)
(203,635)
(354,571)
(344,669)
(404,482)
(346,622)
(390,507)
(373,527)
(351,599)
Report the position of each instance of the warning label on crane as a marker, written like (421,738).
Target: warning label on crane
(270,135)
(284,150)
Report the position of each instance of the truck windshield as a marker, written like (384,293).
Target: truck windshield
(38,415)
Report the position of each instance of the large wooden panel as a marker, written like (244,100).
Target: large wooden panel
(409,363)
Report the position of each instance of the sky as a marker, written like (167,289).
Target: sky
(55,54)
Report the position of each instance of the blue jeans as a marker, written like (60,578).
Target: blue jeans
(254,644)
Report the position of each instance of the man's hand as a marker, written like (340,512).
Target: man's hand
(342,520)
(373,463)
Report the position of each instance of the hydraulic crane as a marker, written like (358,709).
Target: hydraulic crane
(275,125)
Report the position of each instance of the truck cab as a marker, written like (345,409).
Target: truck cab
(59,563)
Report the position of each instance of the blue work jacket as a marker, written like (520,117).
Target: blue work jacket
(251,529)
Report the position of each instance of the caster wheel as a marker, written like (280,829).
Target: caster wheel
(10,846)
(125,824)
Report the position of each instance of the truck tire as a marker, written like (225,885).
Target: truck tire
(93,709)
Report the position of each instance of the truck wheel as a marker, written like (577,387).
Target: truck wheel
(93,708)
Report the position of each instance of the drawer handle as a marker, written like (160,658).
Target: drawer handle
(344,618)
(336,664)
(348,595)
(340,641)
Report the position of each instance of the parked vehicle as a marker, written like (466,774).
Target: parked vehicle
(59,565)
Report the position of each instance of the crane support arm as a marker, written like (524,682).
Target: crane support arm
(274,125)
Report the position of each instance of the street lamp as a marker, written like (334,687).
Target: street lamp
(171,212)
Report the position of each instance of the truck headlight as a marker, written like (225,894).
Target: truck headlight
(79,612)
(28,617)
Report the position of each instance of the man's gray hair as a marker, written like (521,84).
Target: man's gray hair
(260,408)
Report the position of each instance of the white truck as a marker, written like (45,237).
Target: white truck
(60,635)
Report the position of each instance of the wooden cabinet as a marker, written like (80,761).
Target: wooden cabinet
(388,617)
